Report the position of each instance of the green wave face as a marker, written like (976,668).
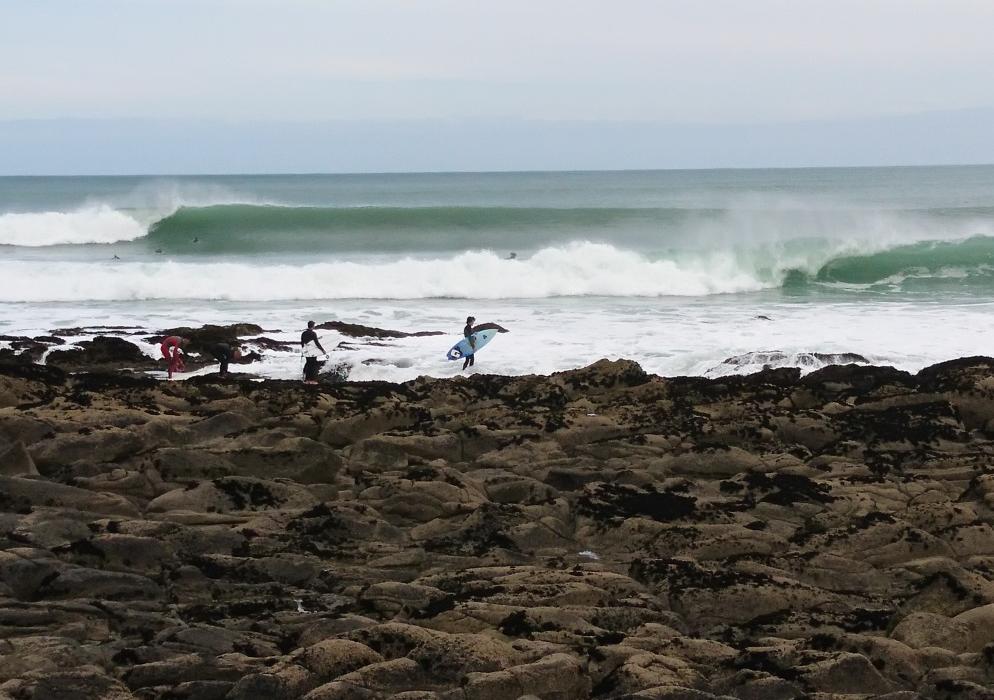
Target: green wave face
(796,250)
(240,228)
(940,262)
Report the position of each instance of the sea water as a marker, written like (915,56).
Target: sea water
(687,272)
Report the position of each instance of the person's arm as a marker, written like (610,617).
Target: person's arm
(318,343)
(488,326)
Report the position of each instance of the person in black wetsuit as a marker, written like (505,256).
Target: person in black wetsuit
(224,354)
(312,364)
(468,334)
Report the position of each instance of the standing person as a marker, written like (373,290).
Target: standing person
(311,364)
(171,351)
(224,353)
(468,335)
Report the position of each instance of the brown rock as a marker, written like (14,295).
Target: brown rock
(15,461)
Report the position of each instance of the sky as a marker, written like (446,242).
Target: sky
(72,73)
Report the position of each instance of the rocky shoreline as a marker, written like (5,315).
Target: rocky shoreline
(596,533)
(120,348)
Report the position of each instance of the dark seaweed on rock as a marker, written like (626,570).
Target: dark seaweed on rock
(615,502)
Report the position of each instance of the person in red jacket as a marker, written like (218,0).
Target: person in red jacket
(171,351)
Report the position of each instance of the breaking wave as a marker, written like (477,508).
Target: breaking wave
(88,225)
(577,269)
(217,245)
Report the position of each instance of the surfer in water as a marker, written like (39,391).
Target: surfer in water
(468,335)
(312,364)
(170,348)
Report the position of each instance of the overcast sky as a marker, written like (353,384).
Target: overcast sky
(714,62)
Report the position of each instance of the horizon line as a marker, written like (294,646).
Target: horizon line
(526,171)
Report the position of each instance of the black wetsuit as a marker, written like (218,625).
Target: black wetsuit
(311,364)
(467,332)
(222,353)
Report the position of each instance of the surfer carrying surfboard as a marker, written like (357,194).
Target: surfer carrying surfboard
(474,338)
(310,345)
(467,333)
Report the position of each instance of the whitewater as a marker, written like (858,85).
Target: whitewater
(687,272)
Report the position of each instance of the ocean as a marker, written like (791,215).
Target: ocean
(686,272)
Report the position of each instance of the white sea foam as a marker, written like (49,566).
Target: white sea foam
(93,224)
(668,336)
(580,269)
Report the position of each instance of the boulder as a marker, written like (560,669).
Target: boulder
(103,353)
(203,337)
(331,658)
(556,677)
(925,629)
(109,445)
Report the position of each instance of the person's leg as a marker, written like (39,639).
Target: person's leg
(465,363)
(223,359)
(472,359)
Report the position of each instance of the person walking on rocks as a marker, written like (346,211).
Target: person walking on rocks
(310,346)
(225,353)
(171,351)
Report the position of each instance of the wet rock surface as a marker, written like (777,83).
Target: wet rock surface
(597,533)
(103,353)
(355,330)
